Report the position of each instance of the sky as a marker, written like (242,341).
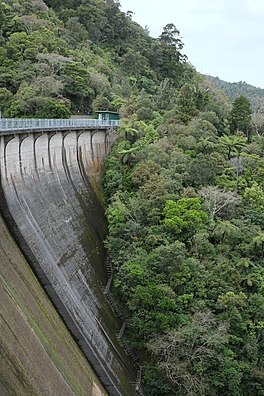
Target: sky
(223,38)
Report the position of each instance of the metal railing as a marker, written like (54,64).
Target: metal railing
(16,124)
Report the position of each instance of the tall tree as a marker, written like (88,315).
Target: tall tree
(166,56)
(241,115)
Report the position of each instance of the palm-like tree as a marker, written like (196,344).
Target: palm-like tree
(258,241)
(127,132)
(127,155)
(224,229)
(234,144)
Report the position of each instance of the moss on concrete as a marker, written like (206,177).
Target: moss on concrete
(38,355)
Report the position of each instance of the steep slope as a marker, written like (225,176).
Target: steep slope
(38,355)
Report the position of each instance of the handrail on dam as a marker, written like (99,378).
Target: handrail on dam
(17,124)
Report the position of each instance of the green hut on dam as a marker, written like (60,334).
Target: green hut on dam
(106,115)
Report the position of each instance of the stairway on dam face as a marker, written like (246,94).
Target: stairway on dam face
(46,182)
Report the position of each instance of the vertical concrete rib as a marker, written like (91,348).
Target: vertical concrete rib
(50,135)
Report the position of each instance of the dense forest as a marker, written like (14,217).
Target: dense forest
(254,94)
(234,89)
(183,185)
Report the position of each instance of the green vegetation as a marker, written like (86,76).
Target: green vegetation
(235,89)
(253,94)
(184,186)
(186,238)
(81,56)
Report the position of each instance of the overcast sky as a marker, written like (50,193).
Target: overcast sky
(224,38)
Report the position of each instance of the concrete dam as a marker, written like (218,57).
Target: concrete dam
(49,206)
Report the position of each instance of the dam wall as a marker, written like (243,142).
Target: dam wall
(38,355)
(49,202)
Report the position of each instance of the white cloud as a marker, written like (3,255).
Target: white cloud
(256,7)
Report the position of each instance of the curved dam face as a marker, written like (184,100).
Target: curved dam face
(51,208)
(38,355)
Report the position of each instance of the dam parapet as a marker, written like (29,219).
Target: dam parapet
(16,125)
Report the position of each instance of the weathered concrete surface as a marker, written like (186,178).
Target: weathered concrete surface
(52,209)
(38,355)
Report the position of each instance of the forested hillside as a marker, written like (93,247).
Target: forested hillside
(79,56)
(235,89)
(184,187)
(255,95)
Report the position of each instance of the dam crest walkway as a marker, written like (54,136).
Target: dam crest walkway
(21,125)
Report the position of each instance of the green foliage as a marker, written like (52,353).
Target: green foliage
(241,115)
(188,247)
(233,144)
(233,90)
(255,195)
(76,51)
(196,358)
(153,305)
(186,103)
(166,57)
(53,109)
(5,99)
(27,103)
(185,216)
